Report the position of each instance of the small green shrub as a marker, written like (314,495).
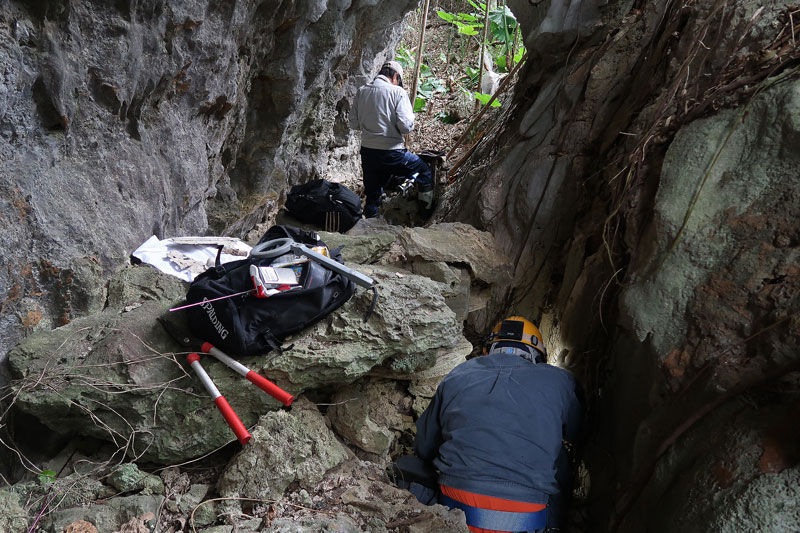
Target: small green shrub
(46,476)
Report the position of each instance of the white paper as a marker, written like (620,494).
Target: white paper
(187,261)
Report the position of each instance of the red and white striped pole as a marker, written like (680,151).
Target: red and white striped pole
(256,379)
(222,404)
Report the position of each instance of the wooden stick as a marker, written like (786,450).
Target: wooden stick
(451,173)
(509,55)
(514,43)
(483,51)
(418,62)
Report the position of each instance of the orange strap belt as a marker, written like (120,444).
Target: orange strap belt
(491,512)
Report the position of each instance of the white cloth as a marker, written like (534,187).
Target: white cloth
(383,113)
(186,260)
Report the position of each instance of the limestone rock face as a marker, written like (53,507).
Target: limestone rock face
(719,273)
(643,184)
(723,252)
(737,474)
(123,120)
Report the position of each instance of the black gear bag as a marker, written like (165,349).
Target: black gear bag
(331,206)
(247,325)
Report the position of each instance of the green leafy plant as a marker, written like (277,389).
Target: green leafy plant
(428,85)
(505,32)
(467,23)
(503,28)
(484,99)
(46,476)
(406,58)
(503,25)
(446,117)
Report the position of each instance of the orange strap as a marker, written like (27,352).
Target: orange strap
(489,502)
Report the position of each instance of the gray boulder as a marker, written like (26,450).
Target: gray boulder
(387,506)
(371,413)
(454,243)
(128,478)
(422,384)
(286,447)
(411,321)
(457,243)
(113,515)
(114,376)
(12,515)
(465,260)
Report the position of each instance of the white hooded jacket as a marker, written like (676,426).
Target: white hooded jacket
(383,113)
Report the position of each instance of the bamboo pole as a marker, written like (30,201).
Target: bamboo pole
(509,56)
(451,173)
(514,42)
(418,62)
(483,50)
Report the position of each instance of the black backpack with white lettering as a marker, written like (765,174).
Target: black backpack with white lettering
(330,206)
(247,325)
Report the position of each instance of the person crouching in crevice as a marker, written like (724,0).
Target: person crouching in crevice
(495,429)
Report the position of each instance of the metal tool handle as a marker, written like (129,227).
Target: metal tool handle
(357,277)
(222,404)
(408,183)
(256,379)
(270,388)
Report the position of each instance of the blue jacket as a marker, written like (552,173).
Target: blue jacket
(495,427)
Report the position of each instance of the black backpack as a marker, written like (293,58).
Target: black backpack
(247,325)
(328,205)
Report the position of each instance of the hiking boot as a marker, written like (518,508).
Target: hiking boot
(426,199)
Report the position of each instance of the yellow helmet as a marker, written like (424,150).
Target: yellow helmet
(517,329)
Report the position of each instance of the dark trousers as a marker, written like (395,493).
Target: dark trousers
(379,165)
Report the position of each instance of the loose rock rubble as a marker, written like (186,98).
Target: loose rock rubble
(115,379)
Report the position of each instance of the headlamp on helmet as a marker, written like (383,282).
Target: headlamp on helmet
(516,329)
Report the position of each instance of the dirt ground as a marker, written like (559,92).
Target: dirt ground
(448,54)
